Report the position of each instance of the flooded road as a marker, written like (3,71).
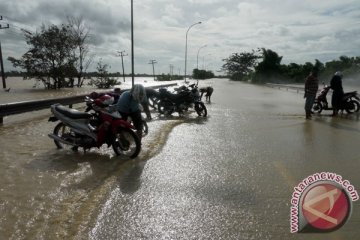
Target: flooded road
(228,176)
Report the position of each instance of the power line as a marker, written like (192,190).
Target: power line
(153,62)
(122,54)
(171,70)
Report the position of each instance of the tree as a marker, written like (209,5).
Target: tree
(246,66)
(269,68)
(103,79)
(293,71)
(168,77)
(51,56)
(202,74)
(81,35)
(240,65)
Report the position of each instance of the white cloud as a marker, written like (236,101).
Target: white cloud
(300,31)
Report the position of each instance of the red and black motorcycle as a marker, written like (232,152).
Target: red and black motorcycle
(88,130)
(350,102)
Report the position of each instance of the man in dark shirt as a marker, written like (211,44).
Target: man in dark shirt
(311,88)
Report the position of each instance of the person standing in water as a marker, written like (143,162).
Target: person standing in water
(311,88)
(338,92)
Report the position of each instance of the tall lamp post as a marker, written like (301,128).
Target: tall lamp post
(132,43)
(197,58)
(204,61)
(186,46)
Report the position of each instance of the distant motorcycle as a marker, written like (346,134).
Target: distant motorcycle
(88,130)
(350,102)
(185,98)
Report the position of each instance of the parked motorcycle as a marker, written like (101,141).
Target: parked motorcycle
(185,98)
(89,106)
(88,130)
(350,102)
(153,97)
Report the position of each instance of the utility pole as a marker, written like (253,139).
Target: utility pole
(1,59)
(171,70)
(122,54)
(153,63)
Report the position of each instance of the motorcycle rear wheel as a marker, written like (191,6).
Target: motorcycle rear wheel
(153,102)
(126,143)
(165,107)
(145,128)
(355,106)
(200,109)
(317,107)
(61,130)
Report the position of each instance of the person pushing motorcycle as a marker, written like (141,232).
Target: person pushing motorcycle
(128,106)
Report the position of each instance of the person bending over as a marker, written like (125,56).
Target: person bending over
(128,106)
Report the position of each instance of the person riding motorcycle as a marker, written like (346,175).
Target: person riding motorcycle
(128,105)
(338,92)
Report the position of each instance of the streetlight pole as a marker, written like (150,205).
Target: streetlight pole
(186,46)
(2,69)
(1,60)
(197,58)
(132,43)
(204,60)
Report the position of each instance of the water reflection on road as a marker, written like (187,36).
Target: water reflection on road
(232,176)
(229,176)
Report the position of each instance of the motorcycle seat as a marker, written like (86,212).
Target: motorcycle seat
(178,97)
(351,93)
(72,113)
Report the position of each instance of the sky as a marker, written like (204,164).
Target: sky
(300,31)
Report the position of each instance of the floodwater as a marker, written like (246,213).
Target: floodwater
(228,176)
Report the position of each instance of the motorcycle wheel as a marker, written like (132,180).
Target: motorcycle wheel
(317,107)
(145,129)
(126,143)
(353,106)
(165,107)
(201,109)
(61,130)
(357,105)
(153,102)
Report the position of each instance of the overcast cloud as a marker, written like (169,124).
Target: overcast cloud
(300,31)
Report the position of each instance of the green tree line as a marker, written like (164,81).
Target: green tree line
(202,74)
(59,56)
(264,65)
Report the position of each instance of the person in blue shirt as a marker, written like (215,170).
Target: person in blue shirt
(128,106)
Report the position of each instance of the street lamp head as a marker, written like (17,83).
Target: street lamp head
(186,46)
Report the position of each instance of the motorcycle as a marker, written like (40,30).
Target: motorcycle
(88,130)
(153,97)
(89,106)
(350,102)
(185,98)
